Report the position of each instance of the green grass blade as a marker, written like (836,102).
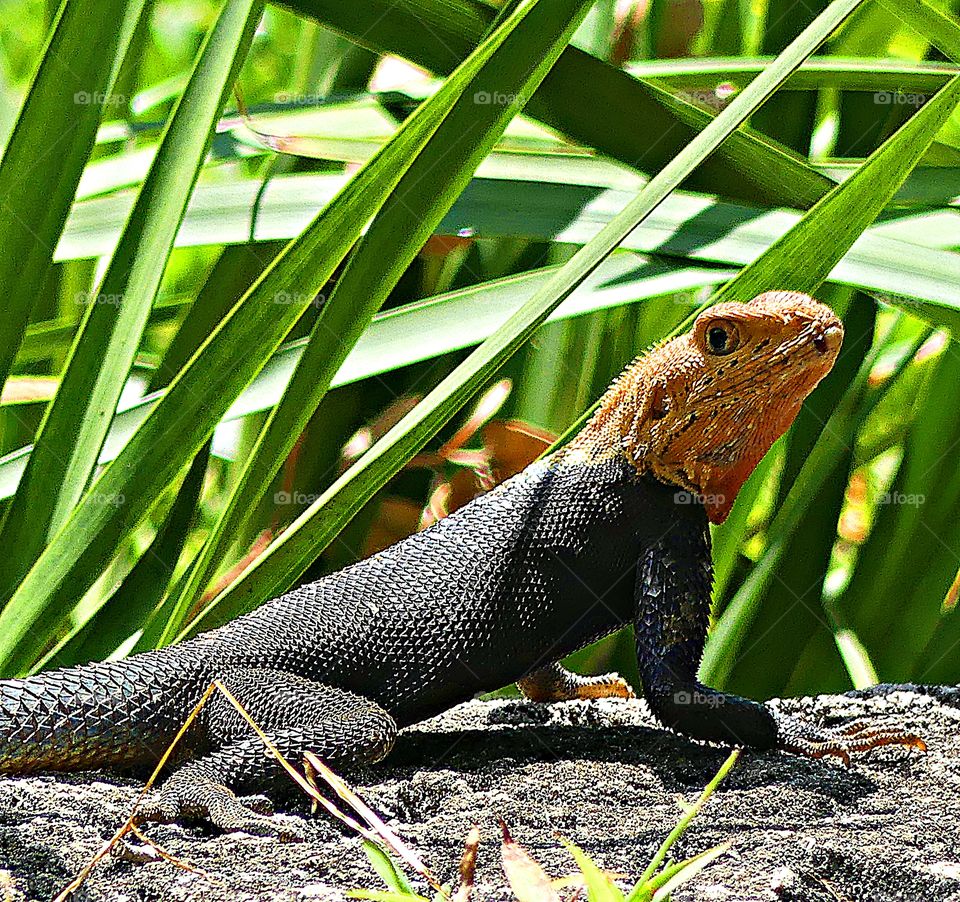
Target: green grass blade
(125,612)
(894,598)
(907,257)
(72,434)
(688,816)
(395,237)
(386,867)
(287,558)
(60,116)
(675,875)
(600,888)
(867,73)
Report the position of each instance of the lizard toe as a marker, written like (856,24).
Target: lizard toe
(231,815)
(845,741)
(157,807)
(258,804)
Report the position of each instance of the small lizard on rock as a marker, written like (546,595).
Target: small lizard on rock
(610,530)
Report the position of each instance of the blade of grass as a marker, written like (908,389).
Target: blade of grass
(125,612)
(684,871)
(394,238)
(599,886)
(903,257)
(388,871)
(867,73)
(688,816)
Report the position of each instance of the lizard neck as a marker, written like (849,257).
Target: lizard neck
(616,429)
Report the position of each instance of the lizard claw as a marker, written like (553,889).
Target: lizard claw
(841,742)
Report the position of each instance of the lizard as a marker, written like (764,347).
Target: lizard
(610,530)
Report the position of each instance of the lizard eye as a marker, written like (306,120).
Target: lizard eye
(721,337)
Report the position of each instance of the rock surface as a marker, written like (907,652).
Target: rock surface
(597,773)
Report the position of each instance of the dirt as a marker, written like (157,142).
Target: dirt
(598,773)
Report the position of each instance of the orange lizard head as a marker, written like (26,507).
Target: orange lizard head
(701,410)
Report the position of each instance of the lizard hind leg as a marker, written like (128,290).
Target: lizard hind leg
(298,715)
(554,683)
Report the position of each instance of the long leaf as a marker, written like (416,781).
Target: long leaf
(203,391)
(897,258)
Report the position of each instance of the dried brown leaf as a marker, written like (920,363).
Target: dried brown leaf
(527,879)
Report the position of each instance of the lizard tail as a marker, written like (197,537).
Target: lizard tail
(97,714)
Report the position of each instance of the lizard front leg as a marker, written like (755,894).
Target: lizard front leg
(554,683)
(298,715)
(673,606)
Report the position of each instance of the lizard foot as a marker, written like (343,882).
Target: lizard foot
(802,738)
(204,799)
(605,685)
(555,683)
